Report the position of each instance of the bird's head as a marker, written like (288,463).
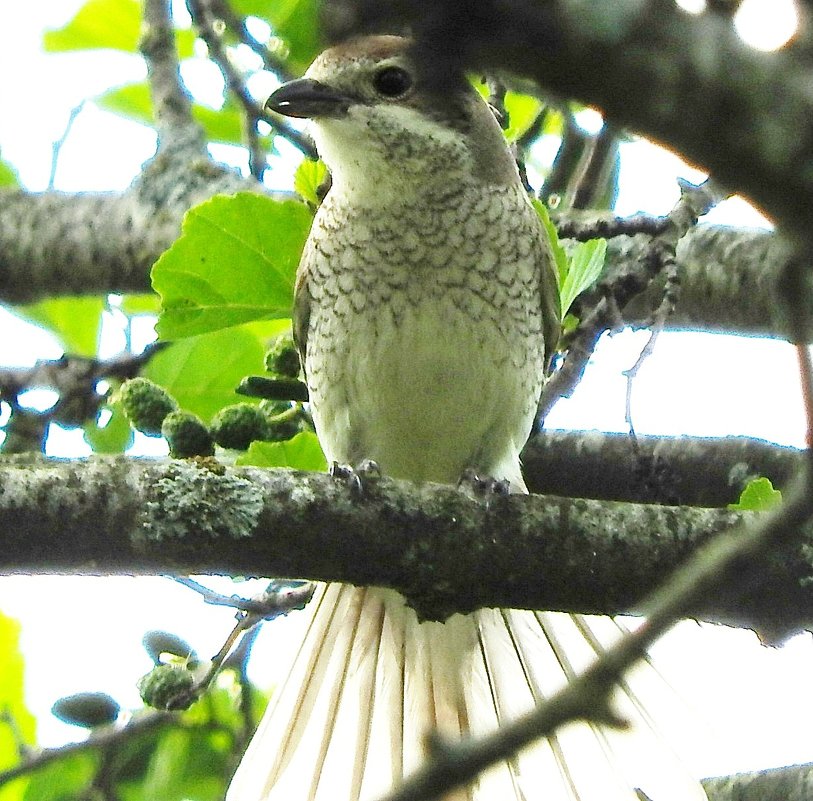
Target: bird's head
(377,116)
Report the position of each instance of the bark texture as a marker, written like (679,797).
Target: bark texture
(443,550)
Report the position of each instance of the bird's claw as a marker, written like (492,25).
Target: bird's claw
(354,476)
(483,487)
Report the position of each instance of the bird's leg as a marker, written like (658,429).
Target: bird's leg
(479,487)
(354,476)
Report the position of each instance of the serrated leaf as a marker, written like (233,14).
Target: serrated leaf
(584,267)
(757,496)
(201,372)
(234,262)
(108,24)
(309,176)
(301,452)
(12,702)
(114,437)
(75,321)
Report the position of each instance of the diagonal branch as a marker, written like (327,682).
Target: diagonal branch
(171,102)
(203,12)
(729,562)
(587,696)
(619,289)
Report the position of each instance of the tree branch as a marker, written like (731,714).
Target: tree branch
(741,113)
(98,243)
(693,471)
(443,551)
(587,696)
(780,784)
(173,107)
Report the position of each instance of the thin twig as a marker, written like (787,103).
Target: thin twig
(659,319)
(204,16)
(806,372)
(659,256)
(632,372)
(75,379)
(59,143)
(279,598)
(101,739)
(566,161)
(237,24)
(587,696)
(730,560)
(608,227)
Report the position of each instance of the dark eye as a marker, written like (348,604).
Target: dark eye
(392,81)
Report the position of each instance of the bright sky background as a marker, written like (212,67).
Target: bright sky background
(81,634)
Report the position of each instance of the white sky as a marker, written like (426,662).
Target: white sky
(84,634)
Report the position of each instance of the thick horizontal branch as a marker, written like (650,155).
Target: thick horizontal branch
(442,550)
(693,471)
(55,243)
(727,277)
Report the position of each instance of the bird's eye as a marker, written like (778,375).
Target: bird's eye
(392,82)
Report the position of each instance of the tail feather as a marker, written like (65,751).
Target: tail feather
(370,683)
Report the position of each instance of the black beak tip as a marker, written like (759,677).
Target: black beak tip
(307,98)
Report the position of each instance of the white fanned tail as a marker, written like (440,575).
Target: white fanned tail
(369,683)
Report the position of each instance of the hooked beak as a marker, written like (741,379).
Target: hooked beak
(307,98)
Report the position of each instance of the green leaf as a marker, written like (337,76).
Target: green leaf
(202,372)
(63,780)
(12,703)
(234,262)
(189,764)
(108,24)
(222,125)
(256,8)
(134,102)
(8,175)
(76,321)
(569,324)
(302,452)
(115,437)
(758,495)
(308,178)
(522,111)
(297,23)
(146,303)
(585,265)
(559,255)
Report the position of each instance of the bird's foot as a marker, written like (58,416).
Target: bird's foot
(355,477)
(483,487)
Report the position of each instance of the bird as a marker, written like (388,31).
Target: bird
(426,311)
